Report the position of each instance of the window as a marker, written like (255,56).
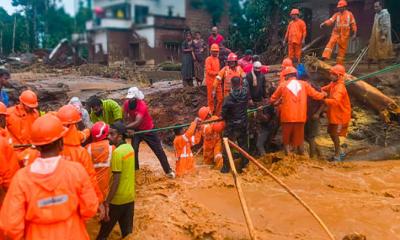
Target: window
(141,13)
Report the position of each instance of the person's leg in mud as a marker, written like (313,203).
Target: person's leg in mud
(242,136)
(137,138)
(155,144)
(333,133)
(298,137)
(311,130)
(286,137)
(115,213)
(230,134)
(126,220)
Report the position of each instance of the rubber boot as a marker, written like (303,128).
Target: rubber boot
(225,167)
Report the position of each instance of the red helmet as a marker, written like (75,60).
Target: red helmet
(287,62)
(29,99)
(68,114)
(203,113)
(232,57)
(295,11)
(289,70)
(342,3)
(47,129)
(338,69)
(100,131)
(3,109)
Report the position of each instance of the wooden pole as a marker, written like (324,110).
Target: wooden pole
(238,185)
(258,164)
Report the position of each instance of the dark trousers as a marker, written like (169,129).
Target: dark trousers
(238,133)
(123,214)
(155,144)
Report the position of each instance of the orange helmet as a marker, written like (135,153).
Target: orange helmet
(287,62)
(214,47)
(338,69)
(3,109)
(342,3)
(295,11)
(232,57)
(100,131)
(29,99)
(289,70)
(68,114)
(47,129)
(204,112)
(218,126)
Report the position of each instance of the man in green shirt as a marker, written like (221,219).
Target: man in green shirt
(120,202)
(108,111)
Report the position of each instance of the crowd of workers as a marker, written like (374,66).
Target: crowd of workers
(58,169)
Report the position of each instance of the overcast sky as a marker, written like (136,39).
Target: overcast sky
(68,5)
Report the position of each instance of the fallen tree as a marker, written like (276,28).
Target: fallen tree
(362,91)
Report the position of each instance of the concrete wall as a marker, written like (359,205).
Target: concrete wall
(149,34)
(118,45)
(100,37)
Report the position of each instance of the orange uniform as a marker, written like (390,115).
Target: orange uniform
(19,124)
(8,163)
(27,156)
(339,106)
(73,151)
(212,69)
(49,206)
(212,144)
(344,22)
(295,35)
(101,153)
(183,150)
(225,75)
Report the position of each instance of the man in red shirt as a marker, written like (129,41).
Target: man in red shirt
(215,37)
(137,117)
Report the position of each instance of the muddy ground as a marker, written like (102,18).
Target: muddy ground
(357,197)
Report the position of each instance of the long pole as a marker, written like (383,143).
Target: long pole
(258,164)
(238,185)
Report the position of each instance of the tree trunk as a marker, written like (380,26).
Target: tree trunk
(361,90)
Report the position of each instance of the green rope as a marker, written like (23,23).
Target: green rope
(385,70)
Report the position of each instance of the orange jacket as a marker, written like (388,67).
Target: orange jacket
(294,108)
(296,31)
(27,156)
(343,23)
(338,101)
(212,66)
(210,137)
(225,75)
(101,154)
(75,152)
(8,163)
(49,206)
(19,124)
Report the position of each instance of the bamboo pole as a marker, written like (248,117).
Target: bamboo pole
(258,164)
(238,185)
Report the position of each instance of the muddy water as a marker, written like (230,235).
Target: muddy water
(360,197)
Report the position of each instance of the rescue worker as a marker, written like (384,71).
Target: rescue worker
(8,159)
(21,118)
(212,141)
(380,43)
(107,110)
(264,68)
(120,201)
(4,77)
(215,37)
(293,108)
(72,150)
(52,197)
(100,151)
(212,67)
(339,108)
(247,59)
(295,36)
(344,23)
(137,118)
(234,113)
(227,73)
(183,143)
(287,62)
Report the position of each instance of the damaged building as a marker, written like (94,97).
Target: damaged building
(143,31)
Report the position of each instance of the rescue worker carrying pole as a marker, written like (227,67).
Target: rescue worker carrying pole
(52,197)
(295,36)
(212,68)
(227,73)
(344,22)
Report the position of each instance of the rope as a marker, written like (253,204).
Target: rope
(385,70)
